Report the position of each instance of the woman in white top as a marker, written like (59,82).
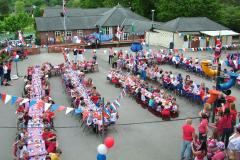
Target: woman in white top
(234,145)
(5,68)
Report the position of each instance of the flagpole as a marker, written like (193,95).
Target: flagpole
(64,21)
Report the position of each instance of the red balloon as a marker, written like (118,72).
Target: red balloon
(14,54)
(109,142)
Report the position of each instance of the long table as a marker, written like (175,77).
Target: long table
(36,145)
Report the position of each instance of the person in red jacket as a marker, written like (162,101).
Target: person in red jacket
(233,113)
(188,134)
(227,126)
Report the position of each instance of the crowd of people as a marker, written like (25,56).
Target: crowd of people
(87,102)
(155,99)
(224,140)
(36,137)
(79,62)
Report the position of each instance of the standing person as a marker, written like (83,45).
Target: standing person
(110,55)
(234,145)
(188,134)
(80,52)
(94,55)
(75,53)
(233,113)
(1,74)
(5,68)
(227,126)
(9,69)
(144,72)
(114,61)
(203,128)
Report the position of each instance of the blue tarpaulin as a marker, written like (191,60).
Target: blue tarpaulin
(136,47)
(103,37)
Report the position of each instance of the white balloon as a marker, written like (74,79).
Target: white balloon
(102,149)
(126,51)
(17,56)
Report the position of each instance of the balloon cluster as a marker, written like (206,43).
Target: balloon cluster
(15,57)
(103,148)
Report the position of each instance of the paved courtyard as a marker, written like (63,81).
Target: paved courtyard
(140,141)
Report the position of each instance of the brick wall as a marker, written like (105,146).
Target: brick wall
(44,36)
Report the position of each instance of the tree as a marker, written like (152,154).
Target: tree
(17,22)
(230,17)
(2,26)
(74,3)
(4,8)
(167,10)
(38,12)
(19,7)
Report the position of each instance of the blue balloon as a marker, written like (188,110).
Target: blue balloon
(101,157)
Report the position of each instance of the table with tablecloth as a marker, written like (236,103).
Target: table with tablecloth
(35,144)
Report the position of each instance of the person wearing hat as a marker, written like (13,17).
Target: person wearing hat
(219,154)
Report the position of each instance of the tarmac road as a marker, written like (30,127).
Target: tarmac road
(143,141)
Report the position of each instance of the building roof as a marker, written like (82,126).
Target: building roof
(72,23)
(190,24)
(74,12)
(140,26)
(117,15)
(86,18)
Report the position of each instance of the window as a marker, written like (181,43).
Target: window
(107,30)
(80,33)
(125,36)
(69,34)
(57,33)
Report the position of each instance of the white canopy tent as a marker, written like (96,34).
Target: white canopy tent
(220,33)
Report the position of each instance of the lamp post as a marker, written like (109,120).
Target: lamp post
(152,17)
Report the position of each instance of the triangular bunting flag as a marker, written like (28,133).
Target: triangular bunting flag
(60,108)
(114,107)
(25,100)
(8,98)
(14,99)
(46,106)
(20,99)
(54,107)
(32,103)
(117,103)
(3,97)
(68,110)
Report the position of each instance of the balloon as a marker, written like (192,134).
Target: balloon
(14,54)
(102,149)
(17,56)
(109,142)
(101,157)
